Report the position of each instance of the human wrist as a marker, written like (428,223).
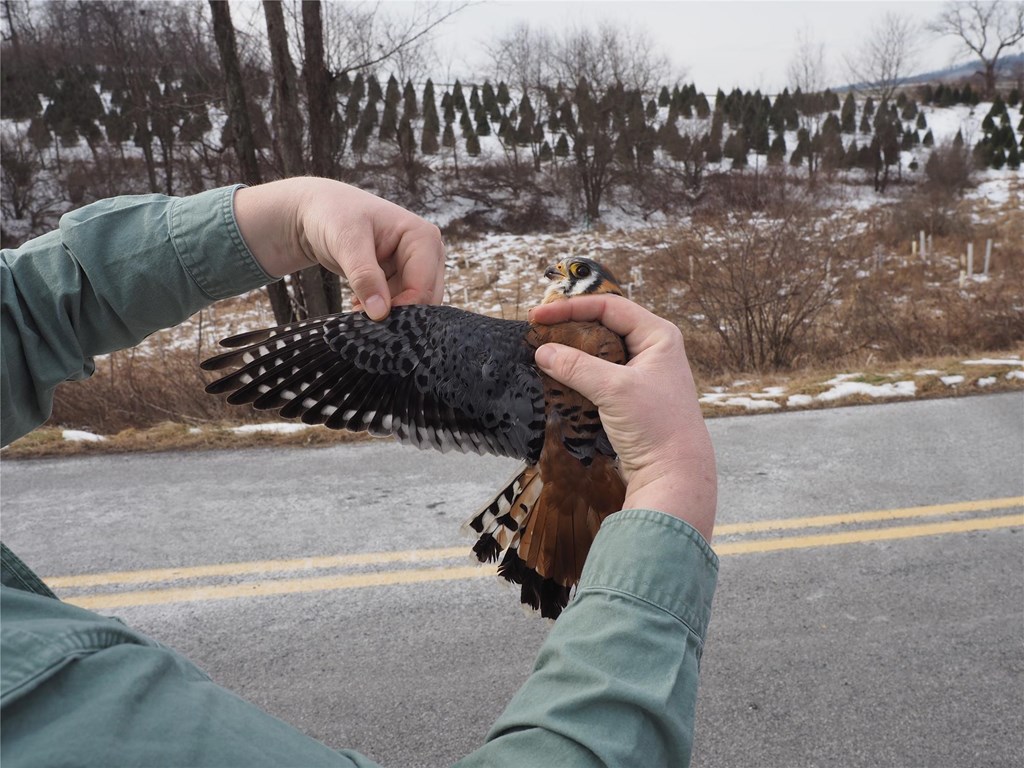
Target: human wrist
(267,218)
(681,492)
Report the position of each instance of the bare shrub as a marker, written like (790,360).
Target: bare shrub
(949,170)
(936,318)
(131,389)
(763,284)
(726,193)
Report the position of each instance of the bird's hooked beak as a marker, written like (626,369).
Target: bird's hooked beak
(556,272)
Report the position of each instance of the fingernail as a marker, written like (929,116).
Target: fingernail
(376,307)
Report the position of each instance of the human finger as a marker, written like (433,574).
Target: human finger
(640,327)
(588,375)
(357,258)
(420,273)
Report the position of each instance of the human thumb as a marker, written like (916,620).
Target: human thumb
(574,368)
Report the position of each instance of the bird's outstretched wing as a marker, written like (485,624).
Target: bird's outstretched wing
(434,377)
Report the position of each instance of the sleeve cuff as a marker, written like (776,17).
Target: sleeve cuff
(656,558)
(210,246)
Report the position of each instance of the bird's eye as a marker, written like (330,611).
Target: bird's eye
(580,270)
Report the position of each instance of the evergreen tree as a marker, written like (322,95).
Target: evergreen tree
(458,97)
(483,125)
(805,149)
(1013,157)
(489,101)
(392,94)
(429,144)
(373,91)
(851,156)
(431,123)
(406,137)
(410,108)
(527,118)
(343,84)
(958,140)
(562,146)
(429,98)
(712,141)
(777,151)
(506,131)
(869,108)
(41,138)
(566,118)
(545,152)
(921,122)
(664,99)
(448,108)
(388,121)
(652,110)
(909,110)
(848,116)
(701,106)
(502,96)
(361,137)
(355,96)
(472,144)
(474,100)
(929,139)
(448,137)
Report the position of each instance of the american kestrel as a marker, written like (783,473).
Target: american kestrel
(445,378)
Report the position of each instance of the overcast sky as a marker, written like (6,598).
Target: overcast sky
(714,44)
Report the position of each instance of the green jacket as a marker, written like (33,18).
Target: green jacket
(615,682)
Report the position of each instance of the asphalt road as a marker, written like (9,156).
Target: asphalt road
(886,639)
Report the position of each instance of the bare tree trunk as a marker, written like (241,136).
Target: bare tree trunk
(286,116)
(321,288)
(318,90)
(245,146)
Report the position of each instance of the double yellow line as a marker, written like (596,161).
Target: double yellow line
(375,578)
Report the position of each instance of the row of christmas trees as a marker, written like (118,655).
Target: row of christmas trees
(174,110)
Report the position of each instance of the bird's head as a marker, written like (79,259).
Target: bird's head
(577,276)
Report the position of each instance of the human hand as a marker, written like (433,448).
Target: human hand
(648,406)
(389,255)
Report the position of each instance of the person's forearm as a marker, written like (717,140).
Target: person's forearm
(616,680)
(115,272)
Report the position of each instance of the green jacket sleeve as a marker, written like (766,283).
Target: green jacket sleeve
(615,683)
(113,273)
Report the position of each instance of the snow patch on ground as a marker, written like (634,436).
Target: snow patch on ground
(277,427)
(842,387)
(81,436)
(952,381)
(988,381)
(995,361)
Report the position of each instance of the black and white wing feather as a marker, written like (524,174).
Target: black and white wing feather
(434,377)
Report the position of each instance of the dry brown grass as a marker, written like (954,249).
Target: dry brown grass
(888,315)
(170,436)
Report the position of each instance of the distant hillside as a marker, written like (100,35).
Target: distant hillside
(1007,66)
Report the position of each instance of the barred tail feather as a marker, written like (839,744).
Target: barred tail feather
(498,522)
(545,536)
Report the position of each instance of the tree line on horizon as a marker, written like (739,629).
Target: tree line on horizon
(165,101)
